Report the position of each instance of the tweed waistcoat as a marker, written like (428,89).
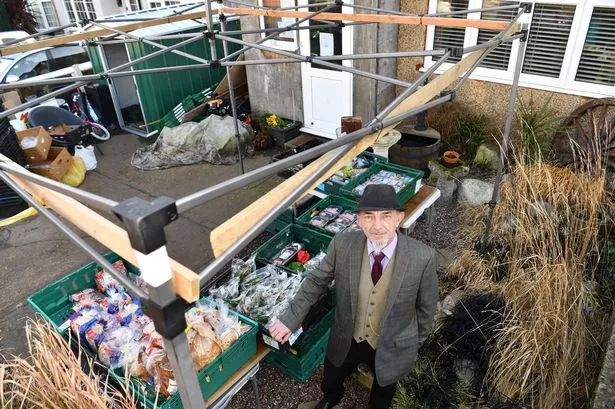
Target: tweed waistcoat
(371,302)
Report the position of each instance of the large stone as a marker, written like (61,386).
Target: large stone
(475,192)
(439,171)
(447,189)
(486,157)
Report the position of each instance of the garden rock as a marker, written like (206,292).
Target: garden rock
(447,189)
(486,157)
(475,192)
(439,171)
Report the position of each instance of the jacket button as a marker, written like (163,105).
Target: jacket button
(371,303)
(367,325)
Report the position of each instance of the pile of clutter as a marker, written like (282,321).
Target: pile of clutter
(110,321)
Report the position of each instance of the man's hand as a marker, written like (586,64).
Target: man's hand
(279,331)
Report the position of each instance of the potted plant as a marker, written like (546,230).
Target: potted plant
(281,129)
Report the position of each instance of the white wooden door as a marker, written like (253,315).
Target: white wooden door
(327,92)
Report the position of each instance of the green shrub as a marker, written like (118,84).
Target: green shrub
(469,131)
(537,125)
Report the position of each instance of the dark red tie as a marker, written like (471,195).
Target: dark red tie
(377,267)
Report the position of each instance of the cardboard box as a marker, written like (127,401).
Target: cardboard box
(35,142)
(62,129)
(10,99)
(57,164)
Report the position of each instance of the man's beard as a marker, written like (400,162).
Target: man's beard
(378,245)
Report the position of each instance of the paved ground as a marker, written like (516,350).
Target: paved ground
(34,253)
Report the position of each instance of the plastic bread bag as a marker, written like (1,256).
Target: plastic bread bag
(119,298)
(105,282)
(149,331)
(203,343)
(128,314)
(89,298)
(120,347)
(160,372)
(89,325)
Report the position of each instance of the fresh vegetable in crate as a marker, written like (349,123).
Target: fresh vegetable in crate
(319,221)
(335,227)
(331,212)
(398,181)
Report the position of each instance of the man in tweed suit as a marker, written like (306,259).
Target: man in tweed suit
(387,290)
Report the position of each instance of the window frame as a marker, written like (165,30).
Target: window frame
(281,45)
(566,82)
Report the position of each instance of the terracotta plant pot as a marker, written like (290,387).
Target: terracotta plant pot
(450,158)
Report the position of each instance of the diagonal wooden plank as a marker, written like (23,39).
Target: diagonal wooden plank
(223,236)
(185,281)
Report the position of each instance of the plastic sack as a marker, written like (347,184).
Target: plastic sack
(159,369)
(75,174)
(120,347)
(86,153)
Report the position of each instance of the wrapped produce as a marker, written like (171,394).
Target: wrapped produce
(335,227)
(286,254)
(346,218)
(398,181)
(160,372)
(319,221)
(331,212)
(314,262)
(89,324)
(120,347)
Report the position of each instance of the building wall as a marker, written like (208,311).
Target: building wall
(107,8)
(271,86)
(484,97)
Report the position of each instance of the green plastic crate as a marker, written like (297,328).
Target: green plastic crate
(402,196)
(331,200)
(302,367)
(54,304)
(333,188)
(313,240)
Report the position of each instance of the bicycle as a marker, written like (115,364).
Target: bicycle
(86,112)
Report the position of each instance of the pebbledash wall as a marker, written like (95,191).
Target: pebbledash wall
(481,96)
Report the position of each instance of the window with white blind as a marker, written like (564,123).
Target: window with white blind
(49,14)
(597,63)
(79,10)
(570,46)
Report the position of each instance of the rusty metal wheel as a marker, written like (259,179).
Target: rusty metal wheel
(586,138)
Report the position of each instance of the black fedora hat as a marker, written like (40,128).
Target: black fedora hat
(378,197)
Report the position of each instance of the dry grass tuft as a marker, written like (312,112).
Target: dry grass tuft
(52,377)
(541,257)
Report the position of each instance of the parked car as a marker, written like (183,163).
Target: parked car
(8,36)
(42,64)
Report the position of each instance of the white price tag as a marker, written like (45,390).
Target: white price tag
(326,44)
(64,326)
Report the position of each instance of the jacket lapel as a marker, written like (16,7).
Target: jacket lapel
(359,242)
(403,258)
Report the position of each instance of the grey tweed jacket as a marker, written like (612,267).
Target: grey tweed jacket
(411,303)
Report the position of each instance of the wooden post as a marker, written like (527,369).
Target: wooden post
(351,124)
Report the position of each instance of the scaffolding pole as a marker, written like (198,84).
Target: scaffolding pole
(274,35)
(145,221)
(505,138)
(45,97)
(231,91)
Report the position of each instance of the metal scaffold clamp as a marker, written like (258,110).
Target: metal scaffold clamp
(145,221)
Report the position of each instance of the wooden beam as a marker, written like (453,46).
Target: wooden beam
(378,18)
(225,235)
(50,42)
(185,281)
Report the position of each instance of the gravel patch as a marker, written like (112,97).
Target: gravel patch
(279,391)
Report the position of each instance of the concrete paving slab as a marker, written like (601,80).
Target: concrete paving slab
(34,253)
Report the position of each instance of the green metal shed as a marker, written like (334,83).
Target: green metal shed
(141,101)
